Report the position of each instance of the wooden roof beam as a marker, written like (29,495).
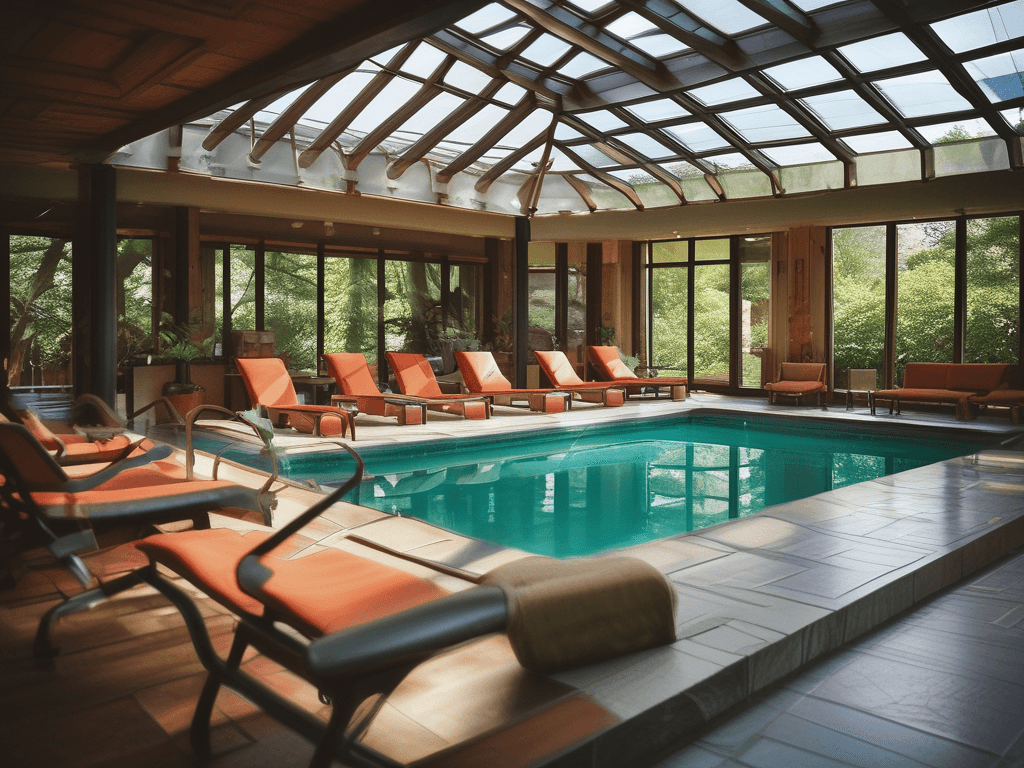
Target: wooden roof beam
(562,23)
(788,18)
(431,138)
(606,178)
(287,119)
(235,120)
(357,105)
(518,113)
(704,39)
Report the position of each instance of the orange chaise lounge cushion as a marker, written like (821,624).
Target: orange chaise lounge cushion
(799,378)
(609,366)
(268,383)
(415,377)
(481,375)
(607,361)
(351,373)
(318,594)
(560,373)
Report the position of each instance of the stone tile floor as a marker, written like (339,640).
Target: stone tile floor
(761,599)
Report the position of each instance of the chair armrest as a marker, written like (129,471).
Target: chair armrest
(88,483)
(405,637)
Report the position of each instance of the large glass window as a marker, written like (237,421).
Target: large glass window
(40,310)
(670,301)
(858,300)
(412,307)
(350,306)
(290,306)
(134,297)
(542,302)
(993,292)
(711,326)
(925,255)
(755,255)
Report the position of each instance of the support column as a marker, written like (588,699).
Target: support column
(5,300)
(521,308)
(94,269)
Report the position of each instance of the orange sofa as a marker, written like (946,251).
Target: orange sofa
(957,384)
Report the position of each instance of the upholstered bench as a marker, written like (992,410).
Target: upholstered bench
(955,384)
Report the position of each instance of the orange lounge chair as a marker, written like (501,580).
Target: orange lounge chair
(352,374)
(559,370)
(798,380)
(355,622)
(481,376)
(268,383)
(609,367)
(44,506)
(415,377)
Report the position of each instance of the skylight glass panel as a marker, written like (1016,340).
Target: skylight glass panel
(999,76)
(727,16)
(583,64)
(384,104)
(466,78)
(768,123)
(629,25)
(926,93)
(980,28)
(564,132)
(424,60)
(882,52)
(800,154)
(877,142)
(528,163)
(646,146)
(510,93)
(842,110)
(527,129)
(736,89)
(803,73)
(592,155)
(602,120)
(961,130)
(697,137)
(660,45)
(561,163)
(486,18)
(386,56)
(328,106)
(813,5)
(660,109)
(270,112)
(546,50)
(473,129)
(506,38)
(1015,117)
(590,6)
(436,110)
(731,162)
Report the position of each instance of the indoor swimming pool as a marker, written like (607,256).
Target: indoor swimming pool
(572,492)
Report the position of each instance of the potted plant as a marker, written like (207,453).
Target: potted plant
(179,343)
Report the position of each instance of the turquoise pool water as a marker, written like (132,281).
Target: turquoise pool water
(586,490)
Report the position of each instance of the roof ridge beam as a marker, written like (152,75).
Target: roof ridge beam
(788,18)
(563,23)
(692,31)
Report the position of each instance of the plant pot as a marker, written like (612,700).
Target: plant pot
(185,402)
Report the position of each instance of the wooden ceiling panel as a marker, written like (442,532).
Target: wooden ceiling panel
(85,77)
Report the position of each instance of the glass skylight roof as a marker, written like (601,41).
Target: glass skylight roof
(999,76)
(882,52)
(925,93)
(693,86)
(981,28)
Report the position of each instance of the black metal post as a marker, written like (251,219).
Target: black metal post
(521,293)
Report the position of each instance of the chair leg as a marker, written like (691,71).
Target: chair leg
(43,648)
(199,731)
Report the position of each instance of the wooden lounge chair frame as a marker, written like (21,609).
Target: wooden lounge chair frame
(560,373)
(283,413)
(404,364)
(28,470)
(610,368)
